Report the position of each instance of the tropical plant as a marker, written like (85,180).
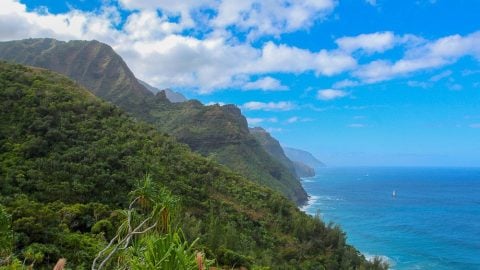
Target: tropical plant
(147,239)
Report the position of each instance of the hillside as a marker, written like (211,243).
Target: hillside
(272,146)
(219,132)
(68,160)
(297,155)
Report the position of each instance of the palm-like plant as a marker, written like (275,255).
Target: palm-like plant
(146,240)
(168,251)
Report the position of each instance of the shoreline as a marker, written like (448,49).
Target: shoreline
(312,199)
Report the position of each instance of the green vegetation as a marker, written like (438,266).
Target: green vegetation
(147,238)
(69,166)
(220,132)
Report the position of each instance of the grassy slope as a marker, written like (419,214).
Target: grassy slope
(219,131)
(70,152)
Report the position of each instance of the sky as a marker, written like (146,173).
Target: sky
(355,82)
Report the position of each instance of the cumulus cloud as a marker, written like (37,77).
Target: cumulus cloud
(346,83)
(252,17)
(430,55)
(330,94)
(370,43)
(269,106)
(16,23)
(158,51)
(265,84)
(272,17)
(213,63)
(206,45)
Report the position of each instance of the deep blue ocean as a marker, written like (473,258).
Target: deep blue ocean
(432,222)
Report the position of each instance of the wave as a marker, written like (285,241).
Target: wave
(314,204)
(312,199)
(371,257)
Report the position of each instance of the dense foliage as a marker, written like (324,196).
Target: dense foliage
(220,132)
(68,162)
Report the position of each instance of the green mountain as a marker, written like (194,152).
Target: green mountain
(272,146)
(220,132)
(301,156)
(93,64)
(68,161)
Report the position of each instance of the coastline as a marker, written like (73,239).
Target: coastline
(313,199)
(402,230)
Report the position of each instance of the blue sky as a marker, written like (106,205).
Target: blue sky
(356,82)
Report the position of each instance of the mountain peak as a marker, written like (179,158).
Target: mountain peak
(96,65)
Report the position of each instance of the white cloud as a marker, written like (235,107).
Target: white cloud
(211,64)
(16,23)
(330,94)
(284,58)
(157,50)
(269,106)
(270,17)
(183,9)
(371,2)
(430,55)
(346,83)
(475,125)
(370,43)
(253,17)
(151,37)
(265,84)
(256,121)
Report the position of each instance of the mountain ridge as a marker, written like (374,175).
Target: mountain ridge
(302,156)
(220,132)
(273,147)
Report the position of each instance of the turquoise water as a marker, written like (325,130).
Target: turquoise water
(433,222)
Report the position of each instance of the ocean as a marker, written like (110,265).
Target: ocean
(432,222)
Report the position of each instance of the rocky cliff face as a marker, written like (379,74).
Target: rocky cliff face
(273,147)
